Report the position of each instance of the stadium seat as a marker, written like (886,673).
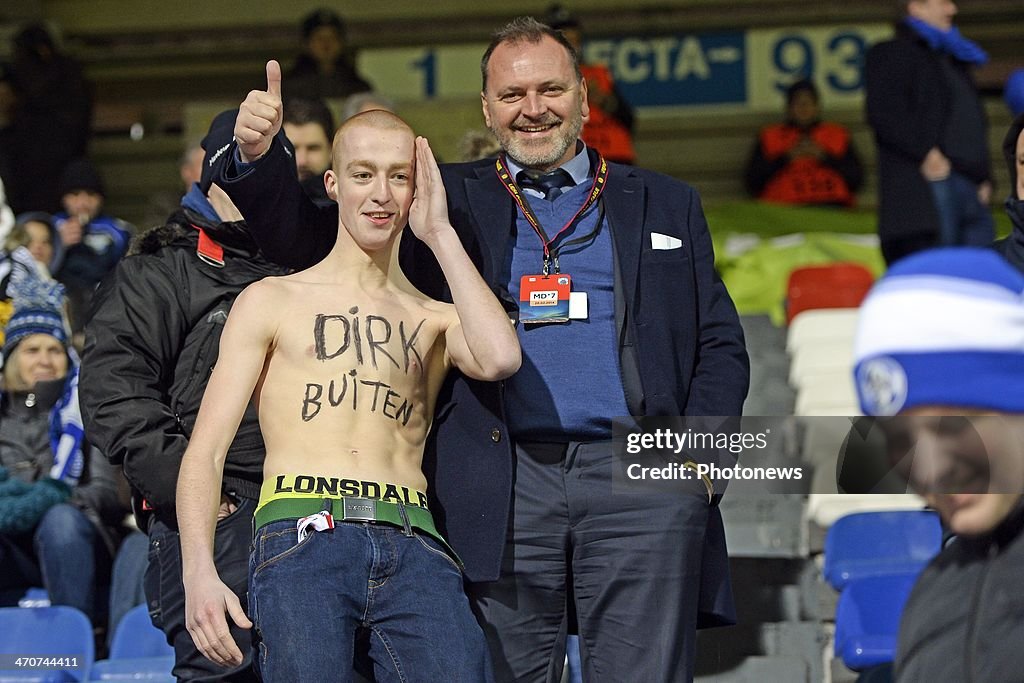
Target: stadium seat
(832,357)
(138,652)
(59,632)
(824,509)
(868,619)
(836,285)
(865,544)
(136,636)
(827,393)
(824,324)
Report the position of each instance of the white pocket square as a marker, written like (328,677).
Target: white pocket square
(659,241)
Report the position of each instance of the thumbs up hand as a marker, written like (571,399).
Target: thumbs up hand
(259,117)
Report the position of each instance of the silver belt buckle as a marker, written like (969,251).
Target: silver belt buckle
(359,509)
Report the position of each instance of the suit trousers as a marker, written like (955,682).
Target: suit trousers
(626,564)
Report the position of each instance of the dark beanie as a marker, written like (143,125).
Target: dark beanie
(80,174)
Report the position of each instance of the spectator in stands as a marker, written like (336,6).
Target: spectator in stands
(41,252)
(804,160)
(190,166)
(326,67)
(1012,248)
(51,119)
(609,129)
(365,101)
(934,175)
(93,243)
(938,343)
(309,126)
(157,319)
(37,232)
(60,513)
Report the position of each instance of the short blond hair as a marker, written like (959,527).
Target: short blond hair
(377,119)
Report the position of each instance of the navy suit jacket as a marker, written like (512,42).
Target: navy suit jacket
(678,326)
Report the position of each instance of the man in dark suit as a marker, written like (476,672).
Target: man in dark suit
(521,472)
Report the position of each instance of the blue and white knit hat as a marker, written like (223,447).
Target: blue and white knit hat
(38,304)
(943,328)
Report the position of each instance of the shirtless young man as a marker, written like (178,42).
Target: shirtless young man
(345,361)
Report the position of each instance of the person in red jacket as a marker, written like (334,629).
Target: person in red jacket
(610,126)
(804,160)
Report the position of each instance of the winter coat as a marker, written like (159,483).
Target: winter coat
(149,351)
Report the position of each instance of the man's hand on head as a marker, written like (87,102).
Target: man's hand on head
(259,117)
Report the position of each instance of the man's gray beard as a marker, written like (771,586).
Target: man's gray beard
(537,160)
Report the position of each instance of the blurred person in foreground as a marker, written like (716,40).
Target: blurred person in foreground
(940,359)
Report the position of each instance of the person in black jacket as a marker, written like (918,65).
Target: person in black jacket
(934,175)
(1012,247)
(149,352)
(935,315)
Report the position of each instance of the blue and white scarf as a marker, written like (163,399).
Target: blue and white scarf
(67,434)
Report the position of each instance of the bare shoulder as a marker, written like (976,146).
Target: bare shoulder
(268,291)
(263,303)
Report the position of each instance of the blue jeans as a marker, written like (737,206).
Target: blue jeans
(963,220)
(72,558)
(311,600)
(64,553)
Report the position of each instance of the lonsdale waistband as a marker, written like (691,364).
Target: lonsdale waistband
(282,504)
(309,486)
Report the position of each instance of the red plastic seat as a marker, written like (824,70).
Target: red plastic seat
(836,285)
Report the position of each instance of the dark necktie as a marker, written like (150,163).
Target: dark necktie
(551,184)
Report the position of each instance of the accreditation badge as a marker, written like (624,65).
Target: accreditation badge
(544,298)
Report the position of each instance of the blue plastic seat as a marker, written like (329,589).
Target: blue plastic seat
(58,632)
(138,652)
(868,619)
(136,636)
(865,544)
